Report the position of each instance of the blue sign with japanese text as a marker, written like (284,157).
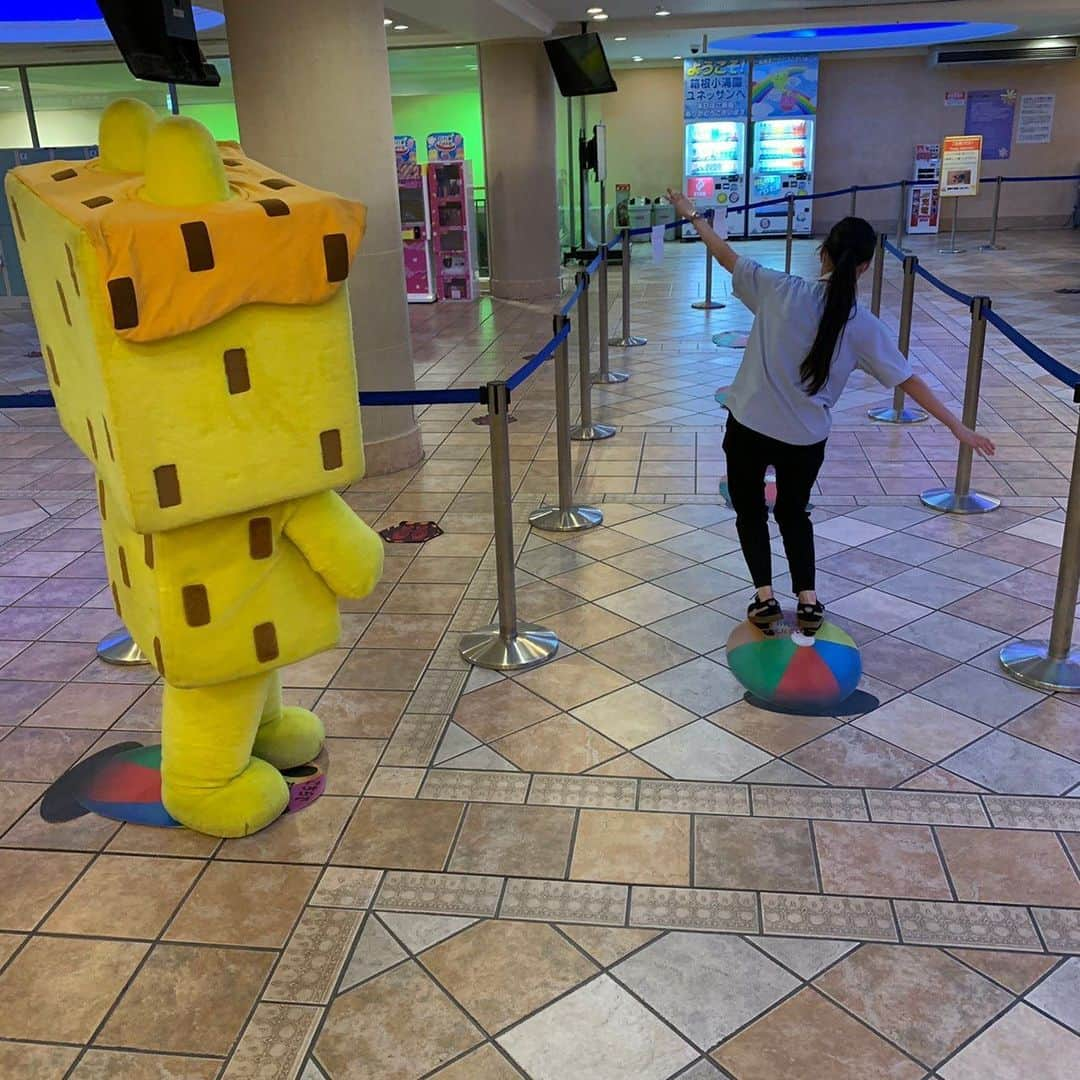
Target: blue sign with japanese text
(990,114)
(715,89)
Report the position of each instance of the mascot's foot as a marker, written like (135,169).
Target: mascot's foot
(258,796)
(292,738)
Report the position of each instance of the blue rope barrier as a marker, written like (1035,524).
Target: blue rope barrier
(471,396)
(1032,351)
(948,290)
(881,187)
(893,250)
(595,264)
(1032,179)
(572,299)
(541,358)
(35,399)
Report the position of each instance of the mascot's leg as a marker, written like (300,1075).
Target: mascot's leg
(288,736)
(209,780)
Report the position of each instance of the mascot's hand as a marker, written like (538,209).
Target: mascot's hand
(342,549)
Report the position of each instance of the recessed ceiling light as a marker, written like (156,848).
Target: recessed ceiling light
(676,58)
(662,12)
(594,11)
(472,67)
(638,59)
(599,16)
(623,38)
(401,26)
(388,22)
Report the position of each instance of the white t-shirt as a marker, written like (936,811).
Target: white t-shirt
(768,395)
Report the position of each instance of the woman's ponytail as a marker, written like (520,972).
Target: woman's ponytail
(849,246)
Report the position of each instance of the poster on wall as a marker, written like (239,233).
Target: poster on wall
(1036,118)
(990,114)
(784,86)
(961,156)
(405,155)
(955,99)
(715,89)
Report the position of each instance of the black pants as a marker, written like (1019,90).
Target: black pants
(748,455)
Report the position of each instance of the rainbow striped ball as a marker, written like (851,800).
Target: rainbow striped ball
(796,672)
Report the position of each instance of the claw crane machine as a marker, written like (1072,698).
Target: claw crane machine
(783,111)
(715,95)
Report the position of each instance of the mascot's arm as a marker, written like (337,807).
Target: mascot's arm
(344,551)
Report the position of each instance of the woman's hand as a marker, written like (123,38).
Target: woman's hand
(977,442)
(683,206)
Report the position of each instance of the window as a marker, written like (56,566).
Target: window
(14,127)
(212,105)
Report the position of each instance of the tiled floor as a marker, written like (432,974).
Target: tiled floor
(614,866)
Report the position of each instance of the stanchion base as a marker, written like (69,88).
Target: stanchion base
(948,502)
(591,433)
(576,519)
(1030,663)
(627,342)
(530,646)
(120,649)
(951,251)
(889,415)
(993,247)
(708,305)
(609,377)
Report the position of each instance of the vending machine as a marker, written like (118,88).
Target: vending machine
(924,207)
(716,168)
(453,219)
(415,222)
(783,107)
(716,93)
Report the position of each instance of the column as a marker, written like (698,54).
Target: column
(518,93)
(312,88)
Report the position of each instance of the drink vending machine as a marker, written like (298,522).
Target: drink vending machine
(715,164)
(924,206)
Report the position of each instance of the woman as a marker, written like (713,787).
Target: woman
(806,340)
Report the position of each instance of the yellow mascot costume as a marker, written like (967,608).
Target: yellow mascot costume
(198,343)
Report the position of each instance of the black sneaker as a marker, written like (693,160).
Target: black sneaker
(810,618)
(764,614)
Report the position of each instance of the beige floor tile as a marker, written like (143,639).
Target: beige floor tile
(33,882)
(520,841)
(634,715)
(614,845)
(572,681)
(400,834)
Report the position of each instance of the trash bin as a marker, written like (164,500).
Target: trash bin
(663,213)
(641,217)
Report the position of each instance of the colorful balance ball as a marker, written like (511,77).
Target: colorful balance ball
(128,788)
(808,674)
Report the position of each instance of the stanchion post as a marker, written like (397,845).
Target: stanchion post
(120,650)
(789,239)
(566,517)
(897,412)
(586,430)
(506,645)
(854,199)
(627,341)
(901,217)
(952,249)
(708,304)
(1055,665)
(879,275)
(992,244)
(603,303)
(961,499)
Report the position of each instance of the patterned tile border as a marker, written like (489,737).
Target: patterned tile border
(344,887)
(825,804)
(465,786)
(975,926)
(593,792)
(689,797)
(926,808)
(314,957)
(792,915)
(274,1043)
(1060,929)
(694,909)
(565,901)
(1048,814)
(415,740)
(439,894)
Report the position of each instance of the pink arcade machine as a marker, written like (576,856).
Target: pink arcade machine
(415,222)
(453,217)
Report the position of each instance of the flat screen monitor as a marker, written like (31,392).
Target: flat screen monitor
(580,65)
(158,42)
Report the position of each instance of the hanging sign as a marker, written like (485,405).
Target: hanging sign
(1036,118)
(784,86)
(715,89)
(990,113)
(446,146)
(961,156)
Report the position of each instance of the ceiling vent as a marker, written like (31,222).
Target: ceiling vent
(1013,53)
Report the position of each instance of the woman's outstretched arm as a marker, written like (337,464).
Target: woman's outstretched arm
(921,394)
(721,250)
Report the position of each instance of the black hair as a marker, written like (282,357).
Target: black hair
(850,245)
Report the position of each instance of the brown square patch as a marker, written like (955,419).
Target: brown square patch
(260,538)
(93,440)
(236,371)
(200,252)
(71,269)
(125,305)
(196,605)
(330,442)
(167,481)
(63,302)
(336,252)
(52,365)
(276,183)
(101,499)
(124,575)
(18,220)
(108,438)
(148,551)
(97,202)
(65,174)
(266,643)
(159,659)
(274,207)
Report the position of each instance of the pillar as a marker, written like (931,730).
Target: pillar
(518,92)
(312,87)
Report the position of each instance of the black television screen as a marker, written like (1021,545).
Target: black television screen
(580,66)
(158,42)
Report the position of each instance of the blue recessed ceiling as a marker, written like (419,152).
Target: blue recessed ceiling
(27,22)
(839,38)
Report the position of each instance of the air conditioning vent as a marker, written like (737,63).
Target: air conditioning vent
(1006,55)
